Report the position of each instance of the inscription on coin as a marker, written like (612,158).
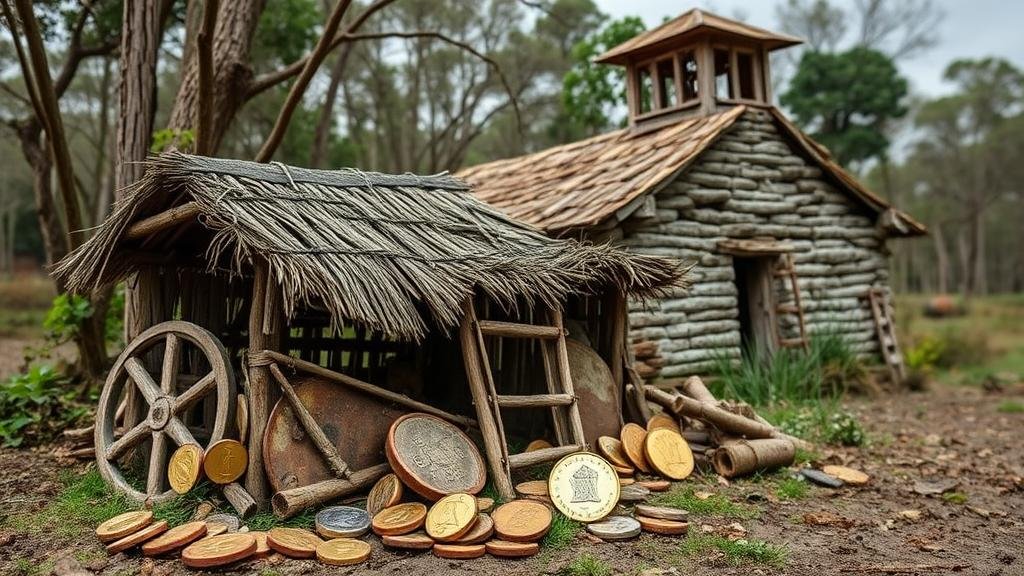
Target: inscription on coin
(342,551)
(225,461)
(294,542)
(583,486)
(400,519)
(669,454)
(522,520)
(342,522)
(219,550)
(184,467)
(451,517)
(122,525)
(433,457)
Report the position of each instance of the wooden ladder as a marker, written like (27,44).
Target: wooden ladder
(560,399)
(786,269)
(886,334)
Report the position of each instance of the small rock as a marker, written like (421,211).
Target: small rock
(910,514)
(68,566)
(147,567)
(935,487)
(659,572)
(98,564)
(979,511)
(701,495)
(827,519)
(821,478)
(6,538)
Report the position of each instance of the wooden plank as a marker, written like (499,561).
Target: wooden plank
(534,401)
(162,221)
(265,309)
(516,330)
(492,391)
(565,375)
(527,459)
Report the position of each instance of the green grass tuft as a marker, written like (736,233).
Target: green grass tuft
(180,509)
(1011,407)
(264,521)
(955,497)
(587,565)
(563,531)
(791,489)
(684,498)
(83,503)
(737,552)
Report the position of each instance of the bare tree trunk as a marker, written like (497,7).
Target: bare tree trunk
(980,282)
(321,137)
(101,171)
(941,259)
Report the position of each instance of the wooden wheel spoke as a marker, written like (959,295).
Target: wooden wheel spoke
(132,437)
(143,381)
(169,372)
(189,397)
(178,432)
(157,457)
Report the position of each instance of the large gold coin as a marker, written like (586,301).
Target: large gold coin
(293,542)
(184,468)
(342,551)
(385,493)
(669,454)
(399,519)
(583,486)
(122,525)
(219,550)
(522,520)
(225,461)
(611,448)
(451,517)
(633,437)
(662,420)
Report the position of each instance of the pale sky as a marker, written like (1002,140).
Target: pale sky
(971,29)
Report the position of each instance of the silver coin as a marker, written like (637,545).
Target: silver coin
(342,522)
(633,493)
(229,520)
(662,512)
(615,528)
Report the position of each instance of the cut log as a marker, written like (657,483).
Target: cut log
(288,503)
(240,500)
(694,388)
(744,457)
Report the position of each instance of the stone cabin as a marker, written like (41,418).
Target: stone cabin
(784,242)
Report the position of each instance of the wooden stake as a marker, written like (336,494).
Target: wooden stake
(240,500)
(288,503)
(313,430)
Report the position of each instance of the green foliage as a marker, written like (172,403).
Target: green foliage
(264,521)
(791,489)
(287,30)
(35,406)
(844,428)
(685,498)
(65,318)
(955,497)
(180,509)
(562,533)
(1010,407)
(167,137)
(591,91)
(83,503)
(846,99)
(821,422)
(737,551)
(587,565)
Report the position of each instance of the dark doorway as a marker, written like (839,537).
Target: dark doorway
(755,298)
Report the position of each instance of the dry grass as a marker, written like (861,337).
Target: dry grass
(24,301)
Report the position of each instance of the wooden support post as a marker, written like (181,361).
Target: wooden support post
(263,334)
(288,503)
(488,427)
(616,302)
(562,363)
(313,430)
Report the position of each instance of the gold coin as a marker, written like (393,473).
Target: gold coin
(184,468)
(669,454)
(611,448)
(399,519)
(484,504)
(385,493)
(175,538)
(451,517)
(583,486)
(522,521)
(662,420)
(342,551)
(219,550)
(122,525)
(481,531)
(632,437)
(539,444)
(225,461)
(533,488)
(293,542)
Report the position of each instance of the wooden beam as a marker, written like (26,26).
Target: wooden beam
(515,330)
(527,459)
(534,400)
(162,221)
(264,308)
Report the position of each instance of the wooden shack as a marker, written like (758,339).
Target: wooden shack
(785,242)
(402,287)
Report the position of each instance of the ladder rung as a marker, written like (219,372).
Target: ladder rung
(515,330)
(787,309)
(534,400)
(517,461)
(793,342)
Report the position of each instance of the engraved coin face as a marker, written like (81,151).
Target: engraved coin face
(583,486)
(522,520)
(451,517)
(219,550)
(669,454)
(184,467)
(632,437)
(294,542)
(615,528)
(225,461)
(175,538)
(123,525)
(342,551)
(400,519)
(611,448)
(342,522)
(481,531)
(386,492)
(433,457)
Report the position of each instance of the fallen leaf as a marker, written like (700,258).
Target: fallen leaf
(910,514)
(701,495)
(827,519)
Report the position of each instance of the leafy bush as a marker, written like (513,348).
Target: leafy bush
(65,318)
(824,422)
(35,406)
(843,428)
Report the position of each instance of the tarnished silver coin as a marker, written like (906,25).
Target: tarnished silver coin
(434,458)
(615,528)
(342,522)
(662,512)
(228,520)
(633,493)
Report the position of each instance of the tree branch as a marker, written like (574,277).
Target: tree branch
(26,69)
(204,50)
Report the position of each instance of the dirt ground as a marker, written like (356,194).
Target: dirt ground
(884,528)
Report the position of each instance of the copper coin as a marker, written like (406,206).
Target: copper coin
(399,519)
(293,542)
(414,541)
(177,537)
(624,472)
(583,486)
(225,461)
(506,549)
(539,444)
(522,521)
(262,547)
(433,457)
(184,468)
(342,551)
(611,449)
(669,454)
(655,485)
(484,504)
(662,526)
(459,551)
(533,488)
(597,393)
(663,512)
(451,517)
(626,481)
(662,420)
(123,524)
(850,476)
(132,540)
(481,531)
(215,528)
(632,437)
(219,550)
(386,492)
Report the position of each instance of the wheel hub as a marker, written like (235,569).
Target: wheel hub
(160,413)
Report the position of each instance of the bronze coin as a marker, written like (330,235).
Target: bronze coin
(669,454)
(184,468)
(293,542)
(262,547)
(219,550)
(850,476)
(385,493)
(451,517)
(662,420)
(624,472)
(484,504)
(175,538)
(539,444)
(481,531)
(626,481)
(132,540)
(123,524)
(225,461)
(522,521)
(459,551)
(506,549)
(415,541)
(433,457)
(655,485)
(342,551)
(611,449)
(399,519)
(533,488)
(662,526)
(632,437)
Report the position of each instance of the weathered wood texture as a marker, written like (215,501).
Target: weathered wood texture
(751,183)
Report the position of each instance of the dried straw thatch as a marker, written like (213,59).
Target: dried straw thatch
(380,250)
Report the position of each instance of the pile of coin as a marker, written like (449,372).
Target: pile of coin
(214,541)
(223,463)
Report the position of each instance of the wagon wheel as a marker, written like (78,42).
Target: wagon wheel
(165,406)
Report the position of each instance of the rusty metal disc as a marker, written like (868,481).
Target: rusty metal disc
(596,392)
(356,423)
(433,457)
